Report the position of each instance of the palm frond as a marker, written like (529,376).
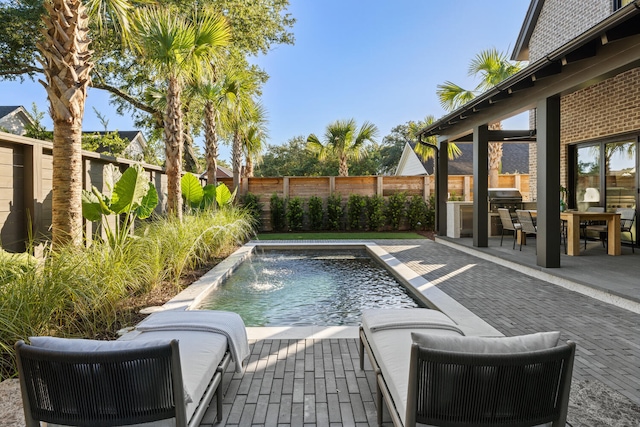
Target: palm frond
(452,96)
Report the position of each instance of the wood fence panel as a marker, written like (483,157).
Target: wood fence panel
(13,215)
(412,185)
(305,187)
(361,185)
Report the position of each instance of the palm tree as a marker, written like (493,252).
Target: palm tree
(66,61)
(245,84)
(180,50)
(255,134)
(344,141)
(492,67)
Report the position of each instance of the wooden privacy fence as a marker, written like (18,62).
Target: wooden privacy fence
(26,187)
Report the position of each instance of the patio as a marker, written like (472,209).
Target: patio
(316,382)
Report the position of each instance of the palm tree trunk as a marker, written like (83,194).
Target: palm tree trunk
(67,67)
(343,169)
(211,143)
(173,148)
(249,168)
(236,155)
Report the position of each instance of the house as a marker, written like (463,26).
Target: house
(515,159)
(582,87)
(137,143)
(14,119)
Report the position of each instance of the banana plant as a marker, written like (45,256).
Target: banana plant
(199,198)
(132,197)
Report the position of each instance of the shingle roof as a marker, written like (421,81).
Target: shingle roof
(515,159)
(6,110)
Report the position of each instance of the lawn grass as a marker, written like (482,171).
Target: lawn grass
(358,235)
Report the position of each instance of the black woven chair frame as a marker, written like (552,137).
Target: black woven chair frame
(453,389)
(101,389)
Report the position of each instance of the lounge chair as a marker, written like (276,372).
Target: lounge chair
(165,373)
(439,377)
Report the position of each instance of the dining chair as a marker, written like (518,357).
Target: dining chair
(627,220)
(508,223)
(527,223)
(597,226)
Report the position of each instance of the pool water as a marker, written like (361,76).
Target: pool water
(308,288)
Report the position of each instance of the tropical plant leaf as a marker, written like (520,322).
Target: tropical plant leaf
(93,207)
(110,175)
(148,203)
(192,190)
(209,195)
(223,195)
(130,189)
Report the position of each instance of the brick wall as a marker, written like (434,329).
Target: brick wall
(562,20)
(607,108)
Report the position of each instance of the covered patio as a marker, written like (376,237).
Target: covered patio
(606,50)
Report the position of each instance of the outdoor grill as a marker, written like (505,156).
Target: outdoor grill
(509,198)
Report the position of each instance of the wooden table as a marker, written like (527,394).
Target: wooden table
(574,218)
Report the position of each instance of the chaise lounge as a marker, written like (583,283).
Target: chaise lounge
(428,372)
(164,373)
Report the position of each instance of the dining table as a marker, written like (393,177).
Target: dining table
(574,218)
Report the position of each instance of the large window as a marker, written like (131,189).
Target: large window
(620,175)
(587,189)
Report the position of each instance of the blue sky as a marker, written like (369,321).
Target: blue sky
(377,60)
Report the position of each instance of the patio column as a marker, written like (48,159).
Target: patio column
(480,184)
(548,188)
(442,186)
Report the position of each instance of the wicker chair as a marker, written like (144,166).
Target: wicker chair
(458,389)
(526,222)
(110,388)
(508,223)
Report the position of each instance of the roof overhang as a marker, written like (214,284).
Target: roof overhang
(607,49)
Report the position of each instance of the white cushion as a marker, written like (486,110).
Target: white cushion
(78,344)
(517,344)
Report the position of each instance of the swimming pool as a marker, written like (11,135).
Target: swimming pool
(307,288)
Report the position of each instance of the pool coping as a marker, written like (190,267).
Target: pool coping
(420,287)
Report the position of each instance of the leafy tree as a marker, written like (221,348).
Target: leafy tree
(492,67)
(343,141)
(179,50)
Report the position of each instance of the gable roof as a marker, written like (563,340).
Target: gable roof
(6,110)
(521,48)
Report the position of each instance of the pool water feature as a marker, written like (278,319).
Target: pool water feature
(307,288)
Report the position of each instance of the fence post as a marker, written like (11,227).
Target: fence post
(285,187)
(379,185)
(518,183)
(467,188)
(426,190)
(332,184)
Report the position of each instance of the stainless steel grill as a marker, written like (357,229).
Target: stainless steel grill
(509,198)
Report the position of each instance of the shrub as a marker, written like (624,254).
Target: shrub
(355,211)
(278,214)
(295,213)
(316,213)
(251,202)
(417,213)
(396,209)
(334,212)
(81,291)
(431,213)
(375,212)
